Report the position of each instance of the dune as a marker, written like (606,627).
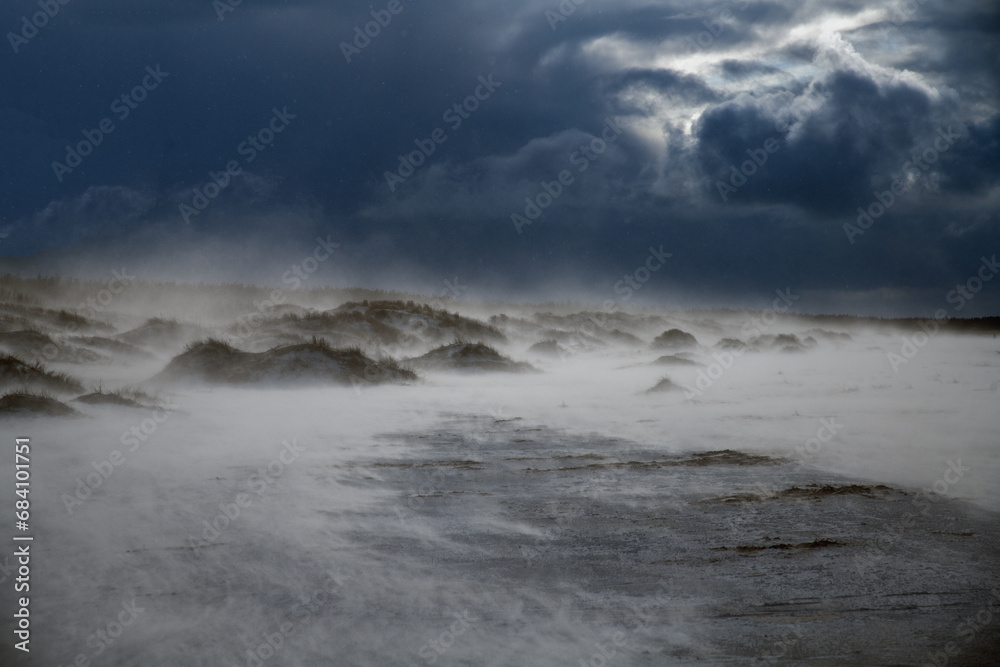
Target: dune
(14,372)
(674,339)
(340,328)
(813,490)
(429,323)
(548,348)
(665,384)
(832,336)
(731,344)
(469,356)
(118,349)
(673,360)
(23,403)
(213,361)
(163,334)
(32,344)
(16,316)
(129,397)
(784,342)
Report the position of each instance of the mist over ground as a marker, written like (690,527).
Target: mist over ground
(376,478)
(533,332)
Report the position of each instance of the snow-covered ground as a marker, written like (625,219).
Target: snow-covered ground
(565,517)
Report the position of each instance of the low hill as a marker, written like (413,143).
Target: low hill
(24,403)
(213,361)
(16,373)
(673,339)
(431,324)
(469,356)
(163,334)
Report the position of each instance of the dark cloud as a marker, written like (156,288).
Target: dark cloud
(739,69)
(694,87)
(69,221)
(664,82)
(831,154)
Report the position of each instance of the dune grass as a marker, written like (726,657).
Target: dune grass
(23,373)
(38,402)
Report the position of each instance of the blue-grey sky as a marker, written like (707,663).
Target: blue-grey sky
(741,136)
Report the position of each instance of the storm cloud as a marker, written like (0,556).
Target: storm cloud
(752,138)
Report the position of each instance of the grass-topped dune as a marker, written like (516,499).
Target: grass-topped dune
(432,324)
(673,339)
(345,328)
(548,348)
(460,355)
(160,333)
(118,349)
(21,315)
(16,373)
(32,343)
(679,359)
(131,397)
(216,362)
(27,403)
(365,323)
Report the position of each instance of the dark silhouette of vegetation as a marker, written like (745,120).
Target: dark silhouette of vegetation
(215,361)
(34,403)
(15,372)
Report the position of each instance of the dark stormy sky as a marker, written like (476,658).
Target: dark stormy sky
(741,136)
